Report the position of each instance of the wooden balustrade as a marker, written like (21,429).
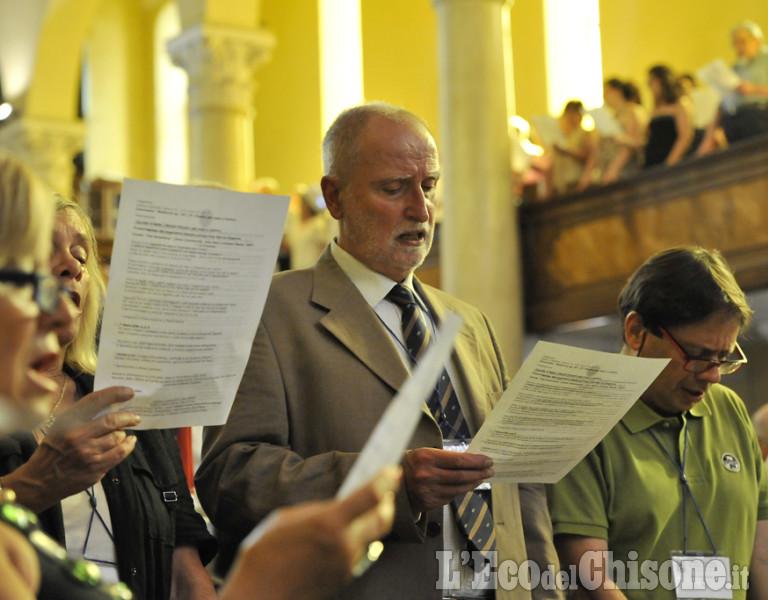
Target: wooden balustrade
(579,250)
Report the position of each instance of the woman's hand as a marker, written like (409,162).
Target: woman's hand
(309,550)
(77,451)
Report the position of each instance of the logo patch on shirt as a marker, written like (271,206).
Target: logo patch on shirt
(731,463)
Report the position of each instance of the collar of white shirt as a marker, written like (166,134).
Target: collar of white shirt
(372,285)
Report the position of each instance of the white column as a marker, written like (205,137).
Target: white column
(47,146)
(479,255)
(220,63)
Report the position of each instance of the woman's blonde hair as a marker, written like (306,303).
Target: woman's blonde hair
(81,353)
(26,215)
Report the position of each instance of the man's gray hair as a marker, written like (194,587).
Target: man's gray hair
(340,147)
(753,29)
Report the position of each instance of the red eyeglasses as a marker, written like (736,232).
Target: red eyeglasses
(695,364)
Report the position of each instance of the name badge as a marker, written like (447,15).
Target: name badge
(456,445)
(700,576)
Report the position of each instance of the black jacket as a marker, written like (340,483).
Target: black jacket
(149,502)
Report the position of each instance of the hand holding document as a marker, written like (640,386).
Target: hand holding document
(562,402)
(548,130)
(706,101)
(718,75)
(388,441)
(605,123)
(190,271)
(390,438)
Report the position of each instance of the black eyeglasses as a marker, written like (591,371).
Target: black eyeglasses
(695,364)
(48,290)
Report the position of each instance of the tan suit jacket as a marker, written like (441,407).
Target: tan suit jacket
(321,372)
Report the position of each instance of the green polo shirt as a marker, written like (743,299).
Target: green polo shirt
(627,490)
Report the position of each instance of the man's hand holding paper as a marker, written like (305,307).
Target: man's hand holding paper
(435,477)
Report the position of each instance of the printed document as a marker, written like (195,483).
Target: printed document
(190,271)
(547,131)
(605,123)
(718,75)
(561,403)
(390,437)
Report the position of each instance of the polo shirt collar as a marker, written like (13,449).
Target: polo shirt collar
(641,416)
(372,285)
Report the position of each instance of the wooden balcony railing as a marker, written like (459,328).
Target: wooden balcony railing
(579,250)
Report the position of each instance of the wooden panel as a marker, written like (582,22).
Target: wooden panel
(579,250)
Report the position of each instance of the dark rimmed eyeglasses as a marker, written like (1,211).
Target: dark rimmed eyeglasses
(47,289)
(696,364)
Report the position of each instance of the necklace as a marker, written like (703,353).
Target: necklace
(52,417)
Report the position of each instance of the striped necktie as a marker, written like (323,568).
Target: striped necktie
(473,510)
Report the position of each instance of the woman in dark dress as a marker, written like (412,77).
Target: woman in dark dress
(670,130)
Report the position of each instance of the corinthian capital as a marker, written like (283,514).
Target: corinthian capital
(220,62)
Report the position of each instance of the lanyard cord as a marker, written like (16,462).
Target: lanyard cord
(443,421)
(92,502)
(686,487)
(95,513)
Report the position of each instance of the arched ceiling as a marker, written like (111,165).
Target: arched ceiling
(53,89)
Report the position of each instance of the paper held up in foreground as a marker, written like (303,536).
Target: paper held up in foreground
(389,439)
(561,403)
(190,271)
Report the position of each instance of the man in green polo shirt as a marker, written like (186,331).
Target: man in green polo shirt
(678,487)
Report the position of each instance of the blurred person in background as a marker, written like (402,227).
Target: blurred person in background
(670,130)
(573,158)
(309,227)
(621,155)
(744,112)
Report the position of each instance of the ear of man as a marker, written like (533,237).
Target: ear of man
(634,330)
(331,187)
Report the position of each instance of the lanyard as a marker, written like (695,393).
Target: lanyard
(442,420)
(686,487)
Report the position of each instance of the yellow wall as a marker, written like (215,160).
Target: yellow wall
(684,34)
(400,54)
(235,13)
(287,128)
(120,137)
(529,57)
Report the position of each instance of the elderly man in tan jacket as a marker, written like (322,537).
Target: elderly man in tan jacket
(330,354)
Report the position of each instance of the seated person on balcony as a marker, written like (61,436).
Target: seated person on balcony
(744,112)
(620,155)
(572,159)
(681,474)
(670,130)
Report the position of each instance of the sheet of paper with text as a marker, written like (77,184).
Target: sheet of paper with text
(561,403)
(389,439)
(190,271)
